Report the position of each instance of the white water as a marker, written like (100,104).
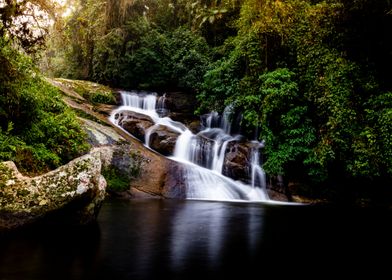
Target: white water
(203,154)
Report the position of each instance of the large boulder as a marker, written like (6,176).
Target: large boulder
(236,164)
(159,177)
(149,174)
(174,185)
(73,192)
(163,140)
(180,102)
(135,123)
(181,106)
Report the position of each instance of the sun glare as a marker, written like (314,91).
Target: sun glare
(65,6)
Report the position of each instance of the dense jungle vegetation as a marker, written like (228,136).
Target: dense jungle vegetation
(312,76)
(37,130)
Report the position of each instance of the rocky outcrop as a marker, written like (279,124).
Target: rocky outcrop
(158,177)
(135,123)
(100,135)
(163,140)
(74,191)
(180,102)
(148,173)
(236,161)
(181,106)
(174,183)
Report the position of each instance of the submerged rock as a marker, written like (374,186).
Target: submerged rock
(73,192)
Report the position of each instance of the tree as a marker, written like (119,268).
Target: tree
(26,22)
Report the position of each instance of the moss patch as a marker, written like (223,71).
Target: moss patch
(94,93)
(124,167)
(84,115)
(116,180)
(6,174)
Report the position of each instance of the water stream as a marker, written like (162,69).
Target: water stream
(203,154)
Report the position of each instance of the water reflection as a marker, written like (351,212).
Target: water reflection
(153,239)
(255,227)
(198,228)
(52,253)
(217,233)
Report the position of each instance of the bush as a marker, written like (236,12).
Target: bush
(37,130)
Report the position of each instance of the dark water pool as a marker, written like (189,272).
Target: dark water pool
(155,239)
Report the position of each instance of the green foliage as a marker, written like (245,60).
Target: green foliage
(280,111)
(189,58)
(160,60)
(326,121)
(115,179)
(37,131)
(130,50)
(222,80)
(9,144)
(372,146)
(108,58)
(149,65)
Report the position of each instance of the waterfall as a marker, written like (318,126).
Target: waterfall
(161,106)
(258,174)
(226,122)
(203,154)
(142,101)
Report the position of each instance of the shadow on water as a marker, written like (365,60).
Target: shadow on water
(49,252)
(169,239)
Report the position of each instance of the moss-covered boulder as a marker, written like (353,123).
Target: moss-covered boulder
(73,192)
(92,92)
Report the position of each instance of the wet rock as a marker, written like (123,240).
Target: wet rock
(74,192)
(236,164)
(163,140)
(121,161)
(181,106)
(104,109)
(195,126)
(174,184)
(180,102)
(135,123)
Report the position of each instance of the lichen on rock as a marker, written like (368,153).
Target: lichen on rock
(24,200)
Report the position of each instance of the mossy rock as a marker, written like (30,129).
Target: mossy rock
(24,200)
(93,92)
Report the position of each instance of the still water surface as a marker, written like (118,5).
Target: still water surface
(156,239)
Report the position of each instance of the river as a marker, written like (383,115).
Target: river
(191,239)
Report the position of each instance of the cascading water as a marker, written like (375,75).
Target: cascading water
(258,174)
(203,154)
(161,108)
